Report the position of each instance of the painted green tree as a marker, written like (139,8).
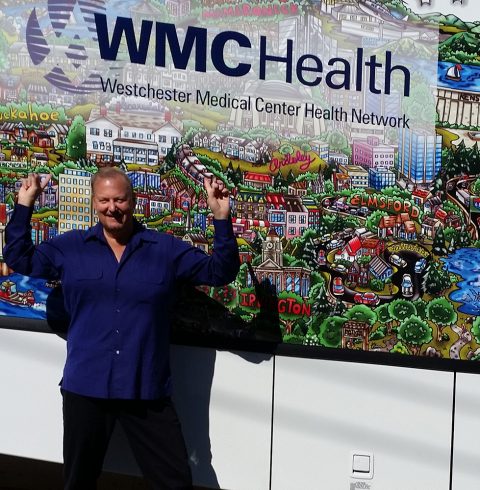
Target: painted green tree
(76,139)
(439,247)
(331,331)
(442,313)
(374,219)
(361,313)
(476,329)
(415,332)
(401,309)
(318,299)
(420,307)
(436,279)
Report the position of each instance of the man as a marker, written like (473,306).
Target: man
(118,280)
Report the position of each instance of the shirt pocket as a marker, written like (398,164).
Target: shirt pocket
(88,284)
(152,290)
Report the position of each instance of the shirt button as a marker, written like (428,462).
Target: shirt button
(117,290)
(117,311)
(117,352)
(117,331)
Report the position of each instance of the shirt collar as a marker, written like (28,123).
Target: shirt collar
(139,233)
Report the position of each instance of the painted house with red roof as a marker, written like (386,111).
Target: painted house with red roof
(430,226)
(142,204)
(387,226)
(185,199)
(341,181)
(178,218)
(40,138)
(372,247)
(406,229)
(453,221)
(420,196)
(351,251)
(255,179)
(159,204)
(441,215)
(297,188)
(196,240)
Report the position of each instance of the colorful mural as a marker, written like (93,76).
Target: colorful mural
(346,130)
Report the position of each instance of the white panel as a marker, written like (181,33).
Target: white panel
(325,410)
(224,402)
(466,445)
(31,367)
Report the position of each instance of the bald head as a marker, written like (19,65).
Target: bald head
(113,173)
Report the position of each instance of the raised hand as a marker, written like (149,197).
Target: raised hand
(31,188)
(218,199)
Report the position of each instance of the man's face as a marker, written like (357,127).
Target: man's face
(114,204)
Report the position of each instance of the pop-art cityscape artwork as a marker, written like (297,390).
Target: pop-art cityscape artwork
(347,132)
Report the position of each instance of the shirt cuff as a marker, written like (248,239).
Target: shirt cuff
(22,213)
(223,226)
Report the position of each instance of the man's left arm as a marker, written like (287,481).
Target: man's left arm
(222,266)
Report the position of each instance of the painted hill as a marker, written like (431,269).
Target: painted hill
(449,20)
(462,47)
(406,48)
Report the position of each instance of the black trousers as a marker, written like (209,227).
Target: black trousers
(151,426)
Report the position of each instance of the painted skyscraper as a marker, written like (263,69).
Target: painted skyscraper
(419,155)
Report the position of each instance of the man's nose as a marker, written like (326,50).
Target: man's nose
(111,206)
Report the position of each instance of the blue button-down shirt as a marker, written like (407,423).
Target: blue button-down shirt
(118,338)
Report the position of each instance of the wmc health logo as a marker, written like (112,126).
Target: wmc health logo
(62,42)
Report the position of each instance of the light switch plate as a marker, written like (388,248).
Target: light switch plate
(361,465)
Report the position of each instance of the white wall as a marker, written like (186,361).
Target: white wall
(326,410)
(322,411)
(30,407)
(466,455)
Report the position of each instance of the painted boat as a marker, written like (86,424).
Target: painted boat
(453,73)
(9,293)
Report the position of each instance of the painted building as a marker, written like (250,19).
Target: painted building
(371,153)
(419,155)
(100,134)
(277,213)
(144,180)
(297,216)
(458,106)
(290,279)
(75,201)
(379,178)
(358,176)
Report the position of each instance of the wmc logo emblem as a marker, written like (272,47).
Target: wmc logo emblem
(63,42)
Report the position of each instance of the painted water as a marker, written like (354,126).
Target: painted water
(466,263)
(41,292)
(470,77)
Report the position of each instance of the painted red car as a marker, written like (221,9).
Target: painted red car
(366,299)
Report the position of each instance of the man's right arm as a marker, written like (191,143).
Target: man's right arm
(19,253)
